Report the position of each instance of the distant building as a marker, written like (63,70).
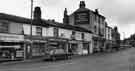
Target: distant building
(109,38)
(116,38)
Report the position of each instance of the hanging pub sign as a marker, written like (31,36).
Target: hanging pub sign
(82,17)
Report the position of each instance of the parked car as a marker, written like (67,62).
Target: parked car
(55,54)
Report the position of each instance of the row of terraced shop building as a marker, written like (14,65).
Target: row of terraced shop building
(84,32)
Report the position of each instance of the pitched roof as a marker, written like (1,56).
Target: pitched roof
(42,22)
(86,9)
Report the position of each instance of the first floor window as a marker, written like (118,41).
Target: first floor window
(39,31)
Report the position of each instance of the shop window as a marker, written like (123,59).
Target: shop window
(4,26)
(39,31)
(85,45)
(38,49)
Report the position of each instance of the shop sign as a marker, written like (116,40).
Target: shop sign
(11,37)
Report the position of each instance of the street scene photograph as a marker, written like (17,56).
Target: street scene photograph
(67,35)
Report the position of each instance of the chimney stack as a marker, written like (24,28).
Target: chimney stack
(37,13)
(96,11)
(66,17)
(82,4)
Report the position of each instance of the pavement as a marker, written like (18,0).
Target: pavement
(19,61)
(123,60)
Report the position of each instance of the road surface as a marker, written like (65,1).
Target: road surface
(123,60)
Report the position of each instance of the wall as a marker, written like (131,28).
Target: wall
(26,28)
(46,32)
(50,32)
(15,28)
(71,19)
(78,35)
(107,32)
(66,33)
(87,26)
(87,37)
(10,27)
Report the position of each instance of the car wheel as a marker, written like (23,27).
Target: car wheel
(53,58)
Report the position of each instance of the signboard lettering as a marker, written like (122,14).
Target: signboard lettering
(82,18)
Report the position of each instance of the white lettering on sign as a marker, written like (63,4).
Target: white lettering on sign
(11,37)
(82,17)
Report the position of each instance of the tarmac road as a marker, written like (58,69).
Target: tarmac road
(123,60)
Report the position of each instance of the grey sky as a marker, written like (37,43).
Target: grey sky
(118,12)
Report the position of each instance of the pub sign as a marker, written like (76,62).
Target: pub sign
(82,17)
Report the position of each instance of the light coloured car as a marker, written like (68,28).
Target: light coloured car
(57,54)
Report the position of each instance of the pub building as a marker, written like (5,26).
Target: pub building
(16,40)
(92,21)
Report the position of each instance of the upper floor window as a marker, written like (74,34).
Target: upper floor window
(95,29)
(55,31)
(39,31)
(73,32)
(82,35)
(99,20)
(73,35)
(4,26)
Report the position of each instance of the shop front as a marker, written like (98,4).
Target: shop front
(86,48)
(102,44)
(11,46)
(34,46)
(73,47)
(108,45)
(79,47)
(57,43)
(99,44)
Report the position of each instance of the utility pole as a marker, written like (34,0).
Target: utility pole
(31,18)
(31,28)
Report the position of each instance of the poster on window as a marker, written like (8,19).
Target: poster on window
(82,17)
